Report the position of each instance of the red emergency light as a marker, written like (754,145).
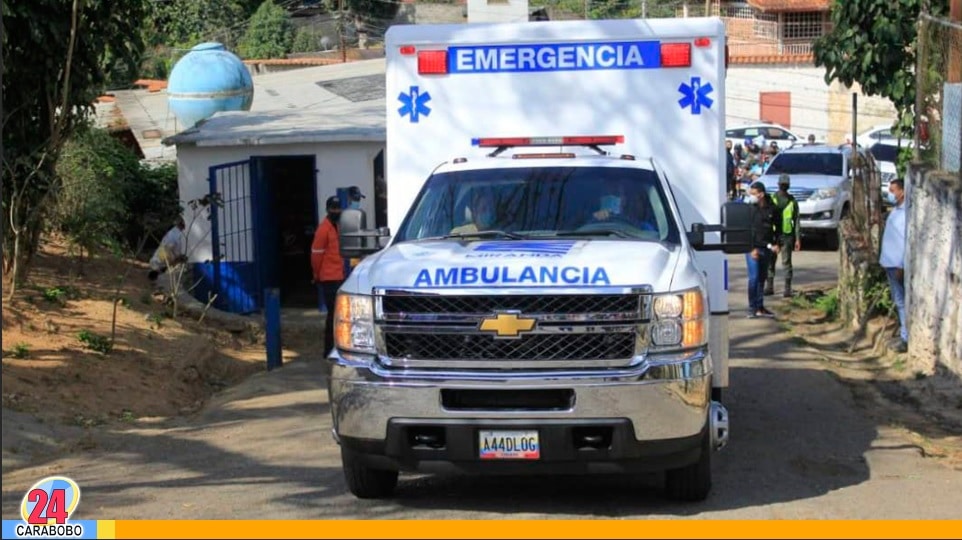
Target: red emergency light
(675,54)
(581,140)
(432,62)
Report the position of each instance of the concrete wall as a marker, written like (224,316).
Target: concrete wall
(934,269)
(338,165)
(482,11)
(425,13)
(817,108)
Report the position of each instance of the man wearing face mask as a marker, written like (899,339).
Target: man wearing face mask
(790,233)
(892,258)
(482,215)
(354,197)
(766,239)
(327,265)
(614,207)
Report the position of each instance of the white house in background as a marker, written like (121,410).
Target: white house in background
(310,134)
(489,11)
(772,75)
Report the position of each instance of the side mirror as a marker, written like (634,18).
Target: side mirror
(735,229)
(356,240)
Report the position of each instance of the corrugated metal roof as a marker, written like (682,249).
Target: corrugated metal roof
(312,93)
(344,122)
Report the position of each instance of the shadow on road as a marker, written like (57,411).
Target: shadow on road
(263,450)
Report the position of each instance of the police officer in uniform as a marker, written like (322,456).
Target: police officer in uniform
(790,236)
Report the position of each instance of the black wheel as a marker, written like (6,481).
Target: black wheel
(693,482)
(365,482)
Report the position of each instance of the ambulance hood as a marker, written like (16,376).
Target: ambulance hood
(541,263)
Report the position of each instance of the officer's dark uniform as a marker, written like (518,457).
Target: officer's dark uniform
(788,227)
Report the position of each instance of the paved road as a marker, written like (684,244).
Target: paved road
(800,449)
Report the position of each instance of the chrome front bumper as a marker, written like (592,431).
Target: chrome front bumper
(664,397)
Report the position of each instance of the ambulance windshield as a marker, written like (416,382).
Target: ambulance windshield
(543,202)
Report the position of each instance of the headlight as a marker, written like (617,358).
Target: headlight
(824,193)
(680,320)
(354,323)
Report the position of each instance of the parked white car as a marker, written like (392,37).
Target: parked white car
(886,154)
(881,132)
(821,181)
(769,132)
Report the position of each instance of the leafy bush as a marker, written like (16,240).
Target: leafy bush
(93,168)
(95,342)
(20,351)
(270,33)
(152,204)
(307,39)
(109,198)
(59,295)
(828,303)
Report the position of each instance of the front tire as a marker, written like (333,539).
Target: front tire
(692,483)
(364,482)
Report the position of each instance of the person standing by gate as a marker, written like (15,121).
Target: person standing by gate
(791,239)
(327,265)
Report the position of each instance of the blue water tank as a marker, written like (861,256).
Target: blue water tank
(206,80)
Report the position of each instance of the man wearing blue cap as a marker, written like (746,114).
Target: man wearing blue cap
(354,197)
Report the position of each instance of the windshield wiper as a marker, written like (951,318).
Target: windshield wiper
(480,234)
(593,232)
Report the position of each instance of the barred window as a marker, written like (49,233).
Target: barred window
(802,25)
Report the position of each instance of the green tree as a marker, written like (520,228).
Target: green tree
(370,16)
(872,43)
(174,26)
(270,33)
(54,57)
(93,170)
(307,39)
(109,198)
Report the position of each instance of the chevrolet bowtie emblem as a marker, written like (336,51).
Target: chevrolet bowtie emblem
(507,325)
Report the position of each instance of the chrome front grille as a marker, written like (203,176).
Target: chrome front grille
(435,331)
(546,347)
(408,306)
(801,194)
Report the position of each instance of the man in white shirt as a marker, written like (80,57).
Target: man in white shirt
(170,251)
(892,258)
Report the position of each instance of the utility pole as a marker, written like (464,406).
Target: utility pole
(3,121)
(586,9)
(340,32)
(955,45)
(644,9)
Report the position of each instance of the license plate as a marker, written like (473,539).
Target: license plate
(509,445)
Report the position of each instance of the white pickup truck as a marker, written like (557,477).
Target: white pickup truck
(552,300)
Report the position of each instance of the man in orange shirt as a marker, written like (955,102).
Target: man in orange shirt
(328,266)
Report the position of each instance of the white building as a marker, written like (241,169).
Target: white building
(255,183)
(490,11)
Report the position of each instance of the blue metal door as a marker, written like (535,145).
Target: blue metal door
(233,274)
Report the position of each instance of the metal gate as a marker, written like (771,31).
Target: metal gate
(234,275)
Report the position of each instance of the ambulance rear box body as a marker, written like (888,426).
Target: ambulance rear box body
(549,301)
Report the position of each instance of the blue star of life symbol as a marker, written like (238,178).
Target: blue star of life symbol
(695,95)
(414,104)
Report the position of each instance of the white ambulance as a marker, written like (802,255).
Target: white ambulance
(554,295)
